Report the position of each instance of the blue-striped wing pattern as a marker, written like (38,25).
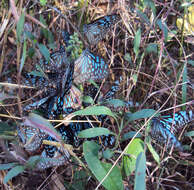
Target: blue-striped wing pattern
(97,30)
(90,67)
(163,128)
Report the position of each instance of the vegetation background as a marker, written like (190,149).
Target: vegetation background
(151,47)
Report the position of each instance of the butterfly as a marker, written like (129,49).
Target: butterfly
(64,104)
(108,98)
(97,30)
(58,59)
(59,158)
(162,130)
(57,83)
(66,38)
(113,90)
(90,67)
(161,134)
(30,137)
(32,140)
(178,120)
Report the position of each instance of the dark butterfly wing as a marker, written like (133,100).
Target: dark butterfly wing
(57,80)
(161,134)
(90,67)
(52,156)
(66,38)
(97,30)
(177,121)
(113,90)
(58,159)
(116,105)
(30,137)
(64,104)
(70,133)
(47,88)
(57,60)
(162,129)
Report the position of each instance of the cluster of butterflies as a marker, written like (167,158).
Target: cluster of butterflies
(57,95)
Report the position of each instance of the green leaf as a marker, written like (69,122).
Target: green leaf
(23,56)
(149,145)
(88,99)
(114,180)
(7,131)
(143,17)
(45,52)
(43,2)
(189,134)
(31,52)
(41,123)
(152,48)
(7,166)
(6,127)
(191,62)
(51,39)
(134,148)
(42,20)
(20,27)
(100,169)
(40,71)
(13,172)
(137,41)
(130,135)
(78,182)
(36,73)
(140,172)
(184,86)
(107,154)
(32,162)
(153,152)
(151,4)
(116,103)
(95,110)
(127,57)
(29,35)
(93,132)
(164,28)
(144,113)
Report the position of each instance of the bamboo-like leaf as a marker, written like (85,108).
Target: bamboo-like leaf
(184,86)
(20,27)
(95,110)
(93,132)
(140,172)
(13,172)
(23,56)
(7,166)
(137,41)
(164,28)
(144,113)
(45,52)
